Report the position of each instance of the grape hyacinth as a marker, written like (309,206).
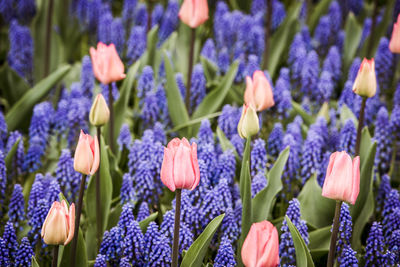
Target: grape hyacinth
(312,155)
(383,138)
(143,212)
(258,157)
(18,161)
(391,212)
(225,255)
(136,44)
(309,74)
(169,22)
(126,217)
(345,229)
(348,135)
(348,257)
(124,139)
(383,64)
(87,77)
(24,254)
(16,211)
(10,238)
(66,175)
(133,243)
(374,255)
(3,182)
(4,256)
(111,246)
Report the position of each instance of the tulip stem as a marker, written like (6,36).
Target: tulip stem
(48,38)
(360,126)
(373,26)
(190,69)
(78,219)
(98,196)
(55,256)
(335,230)
(111,123)
(175,248)
(149,14)
(267,33)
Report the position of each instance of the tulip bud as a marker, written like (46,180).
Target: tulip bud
(342,181)
(58,227)
(248,124)
(180,169)
(365,83)
(99,113)
(261,246)
(87,154)
(194,12)
(394,44)
(107,66)
(258,91)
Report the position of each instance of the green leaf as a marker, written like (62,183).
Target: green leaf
(324,112)
(176,106)
(303,256)
(283,35)
(105,201)
(345,114)
(353,33)
(194,121)
(22,109)
(262,203)
(12,86)
(215,98)
(195,254)
(307,118)
(225,143)
(320,239)
(317,210)
(210,69)
(10,156)
(152,40)
(145,222)
(320,9)
(34,262)
(81,257)
(113,217)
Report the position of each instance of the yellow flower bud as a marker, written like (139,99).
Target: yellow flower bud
(248,124)
(99,113)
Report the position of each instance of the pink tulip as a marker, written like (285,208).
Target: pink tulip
(58,227)
(365,83)
(87,154)
(394,44)
(194,12)
(180,169)
(259,92)
(261,246)
(342,181)
(107,66)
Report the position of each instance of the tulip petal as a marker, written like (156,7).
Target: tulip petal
(356,180)
(53,207)
(195,165)
(183,171)
(96,155)
(166,173)
(71,224)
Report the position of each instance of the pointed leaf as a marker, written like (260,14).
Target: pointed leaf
(145,222)
(307,118)
(320,9)
(81,257)
(10,155)
(353,33)
(210,69)
(12,86)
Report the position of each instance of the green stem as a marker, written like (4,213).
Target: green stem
(98,197)
(175,248)
(335,230)
(77,220)
(373,26)
(55,256)
(48,38)
(111,122)
(360,126)
(190,66)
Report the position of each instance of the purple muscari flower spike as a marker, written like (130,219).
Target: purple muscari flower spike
(275,139)
(10,239)
(286,246)
(185,235)
(258,6)
(36,222)
(293,163)
(3,130)
(150,239)
(127,192)
(136,44)
(128,12)
(114,91)
(78,109)
(208,51)
(26,10)
(384,64)
(258,156)
(118,35)
(394,245)
(35,194)
(111,246)
(345,229)
(348,257)
(306,37)
(322,33)
(124,139)
(20,54)
(16,211)
(18,161)
(3,181)
(87,77)
(383,138)
(325,87)
(226,167)
(366,31)
(239,54)
(39,131)
(224,190)
(66,175)
(348,137)
(7,10)
(332,63)
(145,184)
(355,6)
(25,253)
(133,243)
(60,125)
(229,226)
(125,262)
(396,97)
(225,255)
(170,21)
(374,255)
(258,183)
(395,121)
(101,260)
(160,255)
(126,217)
(198,86)
(205,134)
(141,15)
(335,17)
(282,95)
(146,82)
(391,212)
(181,84)
(278,14)
(211,207)
(322,168)
(206,153)
(52,189)
(159,133)
(157,15)
(150,109)
(238,144)
(312,155)
(223,60)
(355,66)
(229,120)
(309,74)
(220,11)
(143,212)
(253,64)
(347,96)
(383,191)
(340,40)
(4,256)
(104,30)
(255,40)
(294,128)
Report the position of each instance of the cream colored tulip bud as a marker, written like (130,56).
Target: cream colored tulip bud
(248,124)
(365,83)
(99,113)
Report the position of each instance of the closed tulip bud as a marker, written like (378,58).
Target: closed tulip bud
(194,12)
(87,154)
(342,181)
(180,169)
(58,227)
(261,246)
(99,113)
(394,44)
(107,66)
(258,91)
(248,123)
(365,83)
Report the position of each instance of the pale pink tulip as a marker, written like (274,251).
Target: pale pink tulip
(59,225)
(394,44)
(365,83)
(258,92)
(87,154)
(180,169)
(107,66)
(194,12)
(342,181)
